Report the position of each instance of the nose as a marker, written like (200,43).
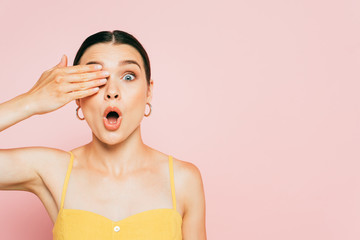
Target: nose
(112,95)
(112,91)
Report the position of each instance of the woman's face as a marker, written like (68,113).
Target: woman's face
(126,89)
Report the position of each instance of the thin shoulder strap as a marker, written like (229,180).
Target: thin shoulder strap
(171,168)
(66,180)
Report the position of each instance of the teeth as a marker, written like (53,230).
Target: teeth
(112,120)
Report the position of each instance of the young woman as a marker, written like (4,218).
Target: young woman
(114,187)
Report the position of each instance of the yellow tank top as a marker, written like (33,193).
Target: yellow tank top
(76,224)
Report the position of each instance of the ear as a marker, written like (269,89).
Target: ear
(77,102)
(150,90)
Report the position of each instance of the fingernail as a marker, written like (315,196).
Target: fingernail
(98,66)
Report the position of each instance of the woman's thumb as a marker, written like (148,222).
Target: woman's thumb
(63,61)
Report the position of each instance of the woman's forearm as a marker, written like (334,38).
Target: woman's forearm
(15,110)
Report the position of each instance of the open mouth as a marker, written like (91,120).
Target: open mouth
(112,118)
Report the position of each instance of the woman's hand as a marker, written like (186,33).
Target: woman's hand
(62,84)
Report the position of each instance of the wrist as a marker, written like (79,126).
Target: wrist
(27,105)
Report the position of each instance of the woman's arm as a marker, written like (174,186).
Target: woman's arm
(193,227)
(15,110)
(20,167)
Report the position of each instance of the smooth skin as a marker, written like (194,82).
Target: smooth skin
(115,175)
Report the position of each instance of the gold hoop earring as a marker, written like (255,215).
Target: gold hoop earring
(146,115)
(77,114)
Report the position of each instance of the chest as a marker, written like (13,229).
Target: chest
(118,198)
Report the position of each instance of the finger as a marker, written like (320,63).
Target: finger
(82,68)
(84,85)
(62,63)
(83,77)
(83,93)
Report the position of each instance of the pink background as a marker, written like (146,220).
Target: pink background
(262,96)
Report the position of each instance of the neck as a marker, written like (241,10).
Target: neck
(118,159)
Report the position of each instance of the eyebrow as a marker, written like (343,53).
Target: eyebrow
(124,62)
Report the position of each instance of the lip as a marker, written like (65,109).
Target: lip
(112,109)
(107,124)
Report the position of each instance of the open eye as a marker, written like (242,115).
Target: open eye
(129,77)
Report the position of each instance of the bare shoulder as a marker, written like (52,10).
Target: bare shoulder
(49,156)
(187,171)
(49,162)
(192,198)
(189,182)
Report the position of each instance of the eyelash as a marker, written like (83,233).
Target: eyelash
(130,73)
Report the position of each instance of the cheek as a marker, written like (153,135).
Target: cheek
(135,101)
(90,105)
(134,93)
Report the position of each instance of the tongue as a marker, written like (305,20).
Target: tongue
(112,120)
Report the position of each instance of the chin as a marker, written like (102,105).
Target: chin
(110,138)
(113,141)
